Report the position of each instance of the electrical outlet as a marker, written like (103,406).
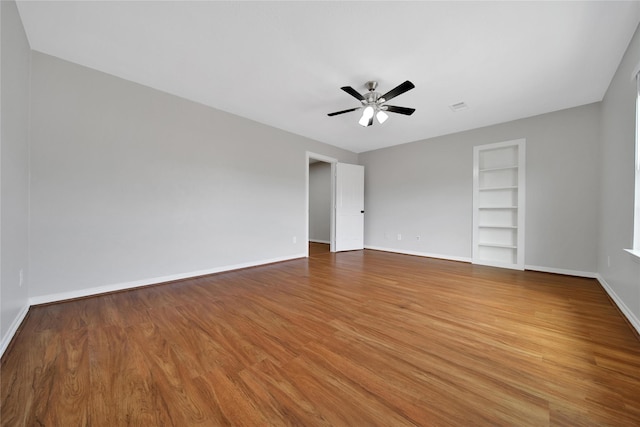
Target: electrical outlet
(295,239)
(21,277)
(399,236)
(418,237)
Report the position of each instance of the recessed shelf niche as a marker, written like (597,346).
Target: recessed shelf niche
(498,204)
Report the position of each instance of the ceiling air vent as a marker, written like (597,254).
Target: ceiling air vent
(458,106)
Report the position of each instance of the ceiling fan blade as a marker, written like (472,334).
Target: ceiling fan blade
(398,90)
(343,111)
(351,91)
(400,110)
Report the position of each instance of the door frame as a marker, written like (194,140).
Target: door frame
(310,155)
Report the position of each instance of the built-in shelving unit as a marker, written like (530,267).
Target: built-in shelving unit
(498,204)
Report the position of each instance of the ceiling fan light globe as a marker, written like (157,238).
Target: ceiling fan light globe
(367,114)
(382,116)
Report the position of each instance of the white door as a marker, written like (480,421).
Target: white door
(349,207)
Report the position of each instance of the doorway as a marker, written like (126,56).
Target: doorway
(346,203)
(320,206)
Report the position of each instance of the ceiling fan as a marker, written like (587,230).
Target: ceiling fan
(374,104)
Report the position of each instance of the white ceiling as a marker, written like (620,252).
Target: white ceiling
(283,63)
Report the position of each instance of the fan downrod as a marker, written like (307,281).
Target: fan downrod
(372,96)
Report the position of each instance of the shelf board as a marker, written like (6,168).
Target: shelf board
(511,187)
(498,204)
(498,169)
(498,245)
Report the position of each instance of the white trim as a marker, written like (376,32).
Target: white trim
(566,272)
(326,242)
(62,296)
(6,340)
(635,253)
(503,144)
(637,137)
(635,322)
(636,201)
(509,266)
(635,72)
(422,254)
(521,144)
(576,273)
(332,226)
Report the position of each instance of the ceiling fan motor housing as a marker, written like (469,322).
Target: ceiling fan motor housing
(371,97)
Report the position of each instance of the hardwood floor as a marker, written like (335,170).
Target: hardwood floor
(357,338)
(318,248)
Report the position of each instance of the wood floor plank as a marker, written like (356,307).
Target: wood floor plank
(270,387)
(123,370)
(355,338)
(237,408)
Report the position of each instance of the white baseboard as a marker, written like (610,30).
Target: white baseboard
(423,254)
(6,339)
(62,296)
(44,299)
(326,242)
(576,273)
(635,322)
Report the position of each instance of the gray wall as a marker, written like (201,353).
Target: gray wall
(320,202)
(425,188)
(14,169)
(619,270)
(131,184)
